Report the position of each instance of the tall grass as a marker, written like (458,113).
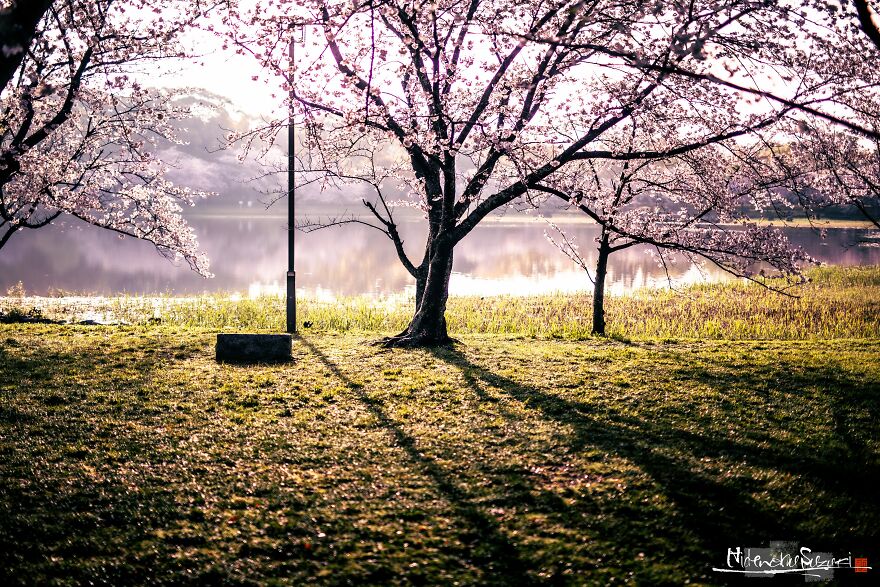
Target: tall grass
(836,303)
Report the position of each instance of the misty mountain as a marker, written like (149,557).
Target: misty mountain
(244,184)
(249,184)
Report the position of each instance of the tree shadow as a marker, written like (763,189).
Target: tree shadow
(854,405)
(498,556)
(714,511)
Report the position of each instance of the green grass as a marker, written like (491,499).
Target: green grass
(127,455)
(836,303)
(527,454)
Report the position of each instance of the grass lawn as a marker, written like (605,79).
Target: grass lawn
(127,456)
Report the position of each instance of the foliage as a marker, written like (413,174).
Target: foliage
(77,127)
(823,167)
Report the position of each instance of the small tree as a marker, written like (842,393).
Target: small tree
(483,101)
(826,167)
(699,204)
(76,128)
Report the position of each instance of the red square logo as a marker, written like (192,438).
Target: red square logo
(861,565)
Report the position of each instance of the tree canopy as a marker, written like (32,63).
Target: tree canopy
(77,127)
(484,101)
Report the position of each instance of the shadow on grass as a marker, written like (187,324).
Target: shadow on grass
(718,511)
(848,466)
(67,515)
(52,503)
(497,556)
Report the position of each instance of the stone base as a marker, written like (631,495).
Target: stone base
(253,348)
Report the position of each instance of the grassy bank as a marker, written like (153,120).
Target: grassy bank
(127,455)
(836,303)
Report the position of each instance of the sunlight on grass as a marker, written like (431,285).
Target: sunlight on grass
(836,303)
(130,456)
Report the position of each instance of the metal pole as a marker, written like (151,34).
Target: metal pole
(291,203)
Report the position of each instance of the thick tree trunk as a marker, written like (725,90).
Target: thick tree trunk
(599,287)
(428,326)
(18,25)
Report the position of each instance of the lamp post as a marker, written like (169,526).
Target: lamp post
(291,201)
(262,348)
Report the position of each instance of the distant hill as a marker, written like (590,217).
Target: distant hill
(248,187)
(241,186)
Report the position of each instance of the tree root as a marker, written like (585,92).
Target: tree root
(405,340)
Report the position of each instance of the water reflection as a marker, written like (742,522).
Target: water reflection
(249,256)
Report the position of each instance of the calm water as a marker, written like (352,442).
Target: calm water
(249,256)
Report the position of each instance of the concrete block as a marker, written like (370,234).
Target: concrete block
(253,348)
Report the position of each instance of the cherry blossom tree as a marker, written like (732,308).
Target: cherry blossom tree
(77,130)
(468,106)
(835,47)
(699,204)
(825,167)
(825,57)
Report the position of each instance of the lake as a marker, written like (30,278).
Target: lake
(507,255)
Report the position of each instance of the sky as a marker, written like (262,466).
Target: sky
(223,73)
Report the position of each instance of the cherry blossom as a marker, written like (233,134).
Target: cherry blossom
(705,205)
(78,131)
(468,107)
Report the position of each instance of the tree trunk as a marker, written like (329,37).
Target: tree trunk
(18,25)
(428,325)
(599,287)
(420,288)
(8,235)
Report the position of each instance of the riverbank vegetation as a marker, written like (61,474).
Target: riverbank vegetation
(836,303)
